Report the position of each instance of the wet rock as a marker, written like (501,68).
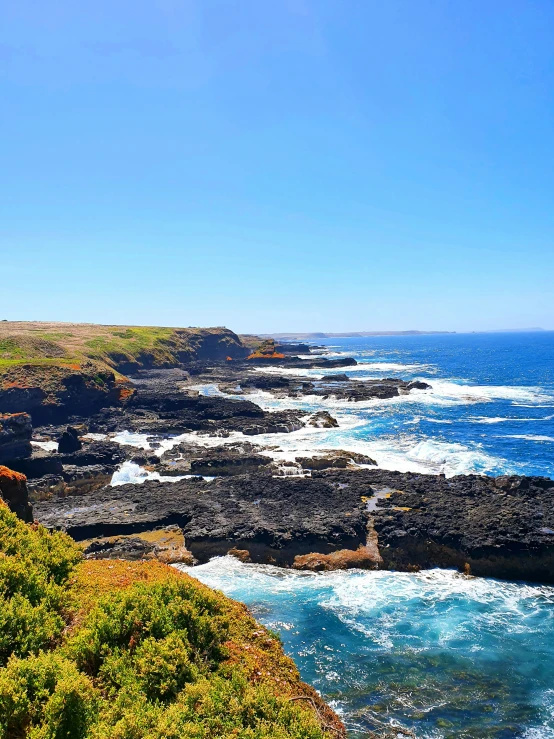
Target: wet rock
(418,385)
(364,558)
(323,420)
(243,555)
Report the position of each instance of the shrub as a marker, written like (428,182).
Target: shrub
(47,697)
(89,653)
(34,565)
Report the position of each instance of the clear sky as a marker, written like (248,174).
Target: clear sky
(278,165)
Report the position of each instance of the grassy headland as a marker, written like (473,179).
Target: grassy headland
(120,348)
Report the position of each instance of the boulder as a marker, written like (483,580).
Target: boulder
(69,441)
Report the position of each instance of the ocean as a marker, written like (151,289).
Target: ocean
(445,655)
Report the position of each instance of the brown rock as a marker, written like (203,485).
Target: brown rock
(363,558)
(242,554)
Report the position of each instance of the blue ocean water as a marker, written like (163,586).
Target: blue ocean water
(445,655)
(442,654)
(490,408)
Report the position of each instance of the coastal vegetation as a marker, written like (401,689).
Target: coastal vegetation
(133,650)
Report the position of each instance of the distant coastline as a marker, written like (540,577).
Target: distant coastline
(359,334)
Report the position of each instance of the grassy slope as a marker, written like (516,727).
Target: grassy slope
(136,650)
(66,344)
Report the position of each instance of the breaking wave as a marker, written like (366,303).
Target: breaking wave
(390,645)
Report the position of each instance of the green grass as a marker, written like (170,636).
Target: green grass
(90,650)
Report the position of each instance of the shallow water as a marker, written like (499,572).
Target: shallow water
(445,655)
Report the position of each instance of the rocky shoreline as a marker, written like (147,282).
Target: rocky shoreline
(220,491)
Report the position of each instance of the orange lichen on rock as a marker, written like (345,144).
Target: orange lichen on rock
(266,350)
(125,393)
(13,490)
(363,558)
(10,478)
(259,355)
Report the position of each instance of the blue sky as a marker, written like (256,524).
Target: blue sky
(278,165)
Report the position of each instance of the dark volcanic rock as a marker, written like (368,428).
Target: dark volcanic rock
(40,463)
(106,453)
(338,459)
(290,348)
(15,436)
(501,527)
(275,519)
(323,420)
(69,441)
(227,465)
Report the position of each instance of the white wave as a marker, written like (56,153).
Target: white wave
(441,393)
(148,441)
(490,420)
(131,473)
(129,438)
(392,367)
(529,437)
(95,437)
(404,453)
(320,372)
(457,392)
(210,390)
(369,590)
(48,446)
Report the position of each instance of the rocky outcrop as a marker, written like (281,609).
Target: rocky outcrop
(13,491)
(323,420)
(274,519)
(338,386)
(334,459)
(69,441)
(52,393)
(165,545)
(15,436)
(501,527)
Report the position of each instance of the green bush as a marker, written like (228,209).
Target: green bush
(47,697)
(34,566)
(145,661)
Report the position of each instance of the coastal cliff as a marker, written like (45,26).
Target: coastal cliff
(52,370)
